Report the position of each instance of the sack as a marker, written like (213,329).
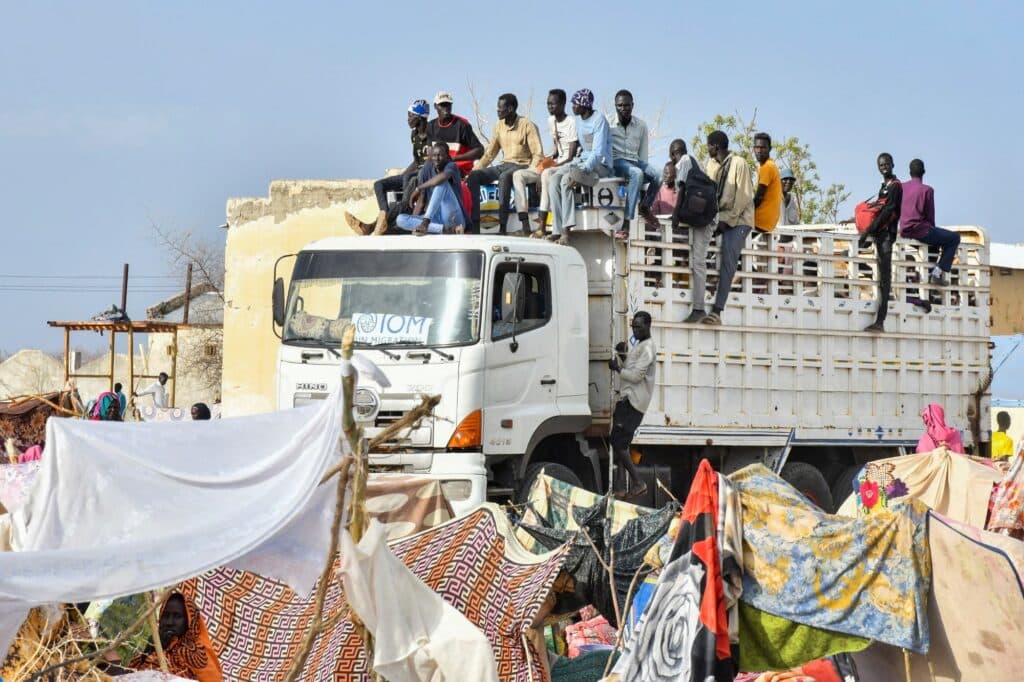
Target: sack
(867,211)
(697,200)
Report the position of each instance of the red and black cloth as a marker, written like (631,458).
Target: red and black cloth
(684,631)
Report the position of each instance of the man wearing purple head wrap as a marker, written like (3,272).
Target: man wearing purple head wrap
(593,163)
(405,182)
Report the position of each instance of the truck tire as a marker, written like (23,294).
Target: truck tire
(843,487)
(809,481)
(559,471)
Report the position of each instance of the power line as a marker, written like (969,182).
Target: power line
(116,277)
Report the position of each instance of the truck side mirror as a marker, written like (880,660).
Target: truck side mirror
(513,297)
(278,301)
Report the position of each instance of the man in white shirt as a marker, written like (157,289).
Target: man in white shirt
(158,390)
(563,130)
(636,384)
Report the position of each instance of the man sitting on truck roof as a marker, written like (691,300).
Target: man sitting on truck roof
(629,159)
(636,384)
(519,143)
(593,163)
(563,130)
(440,187)
(735,218)
(464,146)
(405,182)
(917,221)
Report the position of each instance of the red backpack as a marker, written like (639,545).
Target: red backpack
(866,211)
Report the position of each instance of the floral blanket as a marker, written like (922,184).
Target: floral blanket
(866,576)
(948,482)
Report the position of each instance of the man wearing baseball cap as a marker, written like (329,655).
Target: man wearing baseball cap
(405,182)
(463,145)
(790,204)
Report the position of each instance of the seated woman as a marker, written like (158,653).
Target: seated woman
(200,412)
(106,407)
(185,641)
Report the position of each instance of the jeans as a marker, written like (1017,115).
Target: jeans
(635,173)
(392,183)
(947,240)
(502,174)
(700,240)
(529,176)
(443,210)
(728,259)
(883,253)
(563,196)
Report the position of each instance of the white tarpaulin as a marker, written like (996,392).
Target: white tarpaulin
(417,635)
(119,508)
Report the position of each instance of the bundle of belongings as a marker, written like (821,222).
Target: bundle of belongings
(598,532)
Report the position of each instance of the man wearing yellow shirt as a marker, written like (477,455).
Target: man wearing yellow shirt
(768,197)
(519,143)
(1002,444)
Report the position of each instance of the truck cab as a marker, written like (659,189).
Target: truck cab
(497,327)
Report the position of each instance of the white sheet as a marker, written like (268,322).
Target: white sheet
(119,508)
(418,637)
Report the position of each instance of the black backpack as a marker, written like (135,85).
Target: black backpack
(697,198)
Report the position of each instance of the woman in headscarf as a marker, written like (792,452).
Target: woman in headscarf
(107,408)
(185,641)
(936,433)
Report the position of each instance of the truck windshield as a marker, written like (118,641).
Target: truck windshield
(406,298)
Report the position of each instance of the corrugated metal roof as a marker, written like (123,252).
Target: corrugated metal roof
(1007,256)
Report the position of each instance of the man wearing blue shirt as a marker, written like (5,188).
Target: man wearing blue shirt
(593,163)
(629,153)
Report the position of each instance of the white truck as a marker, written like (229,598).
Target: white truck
(515,334)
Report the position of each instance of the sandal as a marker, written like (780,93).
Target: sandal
(539,234)
(622,235)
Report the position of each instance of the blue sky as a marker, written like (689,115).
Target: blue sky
(115,114)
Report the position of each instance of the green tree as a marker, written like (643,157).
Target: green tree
(818,204)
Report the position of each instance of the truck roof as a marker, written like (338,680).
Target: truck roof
(454,242)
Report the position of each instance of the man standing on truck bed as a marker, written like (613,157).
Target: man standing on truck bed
(768,196)
(519,143)
(636,383)
(735,218)
(883,231)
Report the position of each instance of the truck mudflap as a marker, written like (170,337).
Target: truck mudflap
(463,475)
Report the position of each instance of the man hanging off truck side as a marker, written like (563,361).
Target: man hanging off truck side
(636,384)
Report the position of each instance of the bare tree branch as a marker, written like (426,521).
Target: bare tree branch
(182,247)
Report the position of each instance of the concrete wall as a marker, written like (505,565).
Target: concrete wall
(200,360)
(1007,301)
(261,230)
(30,372)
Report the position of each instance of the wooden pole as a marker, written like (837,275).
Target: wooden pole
(67,355)
(174,366)
(124,291)
(188,293)
(131,362)
(154,626)
(113,336)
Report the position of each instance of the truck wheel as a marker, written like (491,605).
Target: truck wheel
(809,481)
(843,487)
(559,471)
